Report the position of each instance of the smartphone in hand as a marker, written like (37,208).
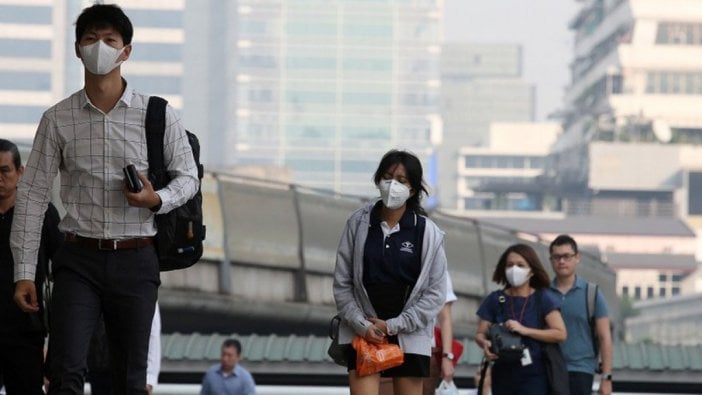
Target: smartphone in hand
(132,178)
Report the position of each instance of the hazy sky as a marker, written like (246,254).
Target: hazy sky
(540,26)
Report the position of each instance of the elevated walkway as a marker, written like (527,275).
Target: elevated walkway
(270,252)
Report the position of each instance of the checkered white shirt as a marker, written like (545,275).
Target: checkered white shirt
(90,149)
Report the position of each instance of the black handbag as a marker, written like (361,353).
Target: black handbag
(507,345)
(337,352)
(554,362)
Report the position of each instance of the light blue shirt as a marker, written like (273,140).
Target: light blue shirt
(238,382)
(578,349)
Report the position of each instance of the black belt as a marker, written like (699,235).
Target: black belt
(110,244)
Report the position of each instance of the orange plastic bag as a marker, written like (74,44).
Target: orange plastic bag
(372,358)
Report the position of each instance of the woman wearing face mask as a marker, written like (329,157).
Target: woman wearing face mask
(522,307)
(390,276)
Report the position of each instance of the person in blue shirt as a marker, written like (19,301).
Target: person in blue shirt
(579,349)
(525,308)
(228,377)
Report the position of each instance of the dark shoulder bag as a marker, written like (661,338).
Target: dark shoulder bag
(337,352)
(507,345)
(554,363)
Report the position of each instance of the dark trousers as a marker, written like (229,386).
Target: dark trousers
(123,286)
(580,383)
(516,380)
(21,364)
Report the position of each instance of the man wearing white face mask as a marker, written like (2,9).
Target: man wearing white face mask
(107,264)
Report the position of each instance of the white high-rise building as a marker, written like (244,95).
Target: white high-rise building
(635,95)
(632,141)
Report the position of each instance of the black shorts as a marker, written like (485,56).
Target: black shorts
(415,365)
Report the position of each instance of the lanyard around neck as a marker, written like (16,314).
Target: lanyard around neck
(521,314)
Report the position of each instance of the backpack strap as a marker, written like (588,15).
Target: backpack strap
(155,125)
(591,295)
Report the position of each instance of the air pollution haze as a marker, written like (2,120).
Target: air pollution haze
(539,26)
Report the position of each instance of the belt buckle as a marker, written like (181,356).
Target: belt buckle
(107,247)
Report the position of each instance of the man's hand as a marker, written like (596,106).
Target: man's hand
(147,197)
(150,389)
(605,387)
(26,296)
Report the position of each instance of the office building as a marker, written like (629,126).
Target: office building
(501,176)
(632,128)
(480,84)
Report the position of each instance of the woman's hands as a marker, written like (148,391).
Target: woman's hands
(486,345)
(482,341)
(377,331)
(517,327)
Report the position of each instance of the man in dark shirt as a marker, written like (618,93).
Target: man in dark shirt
(21,334)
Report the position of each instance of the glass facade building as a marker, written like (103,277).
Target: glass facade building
(38,66)
(31,64)
(320,88)
(324,88)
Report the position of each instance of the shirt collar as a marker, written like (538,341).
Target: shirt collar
(232,373)
(125,99)
(579,283)
(406,222)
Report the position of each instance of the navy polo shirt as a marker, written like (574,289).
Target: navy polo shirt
(395,259)
(493,311)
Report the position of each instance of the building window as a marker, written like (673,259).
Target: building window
(637,293)
(674,33)
(625,291)
(649,292)
(676,291)
(661,292)
(674,83)
(662,277)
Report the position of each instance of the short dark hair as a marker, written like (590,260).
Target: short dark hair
(232,343)
(414,175)
(9,146)
(539,278)
(563,240)
(100,16)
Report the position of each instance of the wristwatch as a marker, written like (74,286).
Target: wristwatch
(607,376)
(448,355)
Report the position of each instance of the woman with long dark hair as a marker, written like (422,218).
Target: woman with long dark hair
(390,276)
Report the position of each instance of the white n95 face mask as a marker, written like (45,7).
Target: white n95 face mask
(517,276)
(394,193)
(100,58)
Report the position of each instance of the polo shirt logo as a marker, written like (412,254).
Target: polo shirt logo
(407,247)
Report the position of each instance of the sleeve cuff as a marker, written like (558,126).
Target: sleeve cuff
(152,379)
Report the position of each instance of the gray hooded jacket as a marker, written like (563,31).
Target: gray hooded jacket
(414,327)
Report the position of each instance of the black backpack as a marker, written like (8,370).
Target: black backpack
(180,232)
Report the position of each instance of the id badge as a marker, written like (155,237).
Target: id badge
(526,357)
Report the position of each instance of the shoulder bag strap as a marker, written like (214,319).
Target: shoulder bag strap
(155,126)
